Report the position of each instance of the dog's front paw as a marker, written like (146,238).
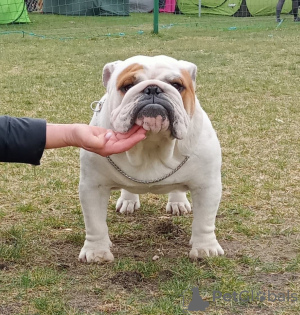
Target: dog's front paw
(95,252)
(127,205)
(178,208)
(202,250)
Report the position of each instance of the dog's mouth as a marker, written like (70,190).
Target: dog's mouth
(154,112)
(154,117)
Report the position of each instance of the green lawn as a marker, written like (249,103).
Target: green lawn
(248,83)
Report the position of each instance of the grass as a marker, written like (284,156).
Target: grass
(248,83)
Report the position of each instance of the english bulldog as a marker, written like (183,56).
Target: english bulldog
(180,153)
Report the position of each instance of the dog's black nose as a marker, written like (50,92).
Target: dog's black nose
(152,90)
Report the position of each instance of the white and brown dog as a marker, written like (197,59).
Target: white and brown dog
(181,152)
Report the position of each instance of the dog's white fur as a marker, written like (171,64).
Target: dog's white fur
(168,142)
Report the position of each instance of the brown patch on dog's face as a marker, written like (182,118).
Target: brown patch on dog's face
(127,78)
(188,93)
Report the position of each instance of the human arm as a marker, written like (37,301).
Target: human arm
(23,140)
(91,138)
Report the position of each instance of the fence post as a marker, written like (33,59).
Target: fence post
(199,8)
(155,16)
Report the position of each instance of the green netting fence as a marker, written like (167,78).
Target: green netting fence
(91,18)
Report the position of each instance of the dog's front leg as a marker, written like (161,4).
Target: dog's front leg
(205,207)
(97,244)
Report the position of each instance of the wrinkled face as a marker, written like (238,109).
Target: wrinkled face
(154,92)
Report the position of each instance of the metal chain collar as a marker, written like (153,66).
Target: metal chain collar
(146,181)
(97,109)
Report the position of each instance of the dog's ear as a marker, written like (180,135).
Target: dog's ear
(191,68)
(107,71)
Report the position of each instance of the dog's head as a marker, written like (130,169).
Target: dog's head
(157,93)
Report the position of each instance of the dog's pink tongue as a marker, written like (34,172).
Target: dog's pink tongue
(155,124)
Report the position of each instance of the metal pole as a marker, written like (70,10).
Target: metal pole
(155,16)
(199,9)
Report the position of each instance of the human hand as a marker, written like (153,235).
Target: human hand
(106,142)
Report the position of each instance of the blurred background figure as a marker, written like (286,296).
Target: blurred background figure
(295,8)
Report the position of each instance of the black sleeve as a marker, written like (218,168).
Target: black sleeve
(22,140)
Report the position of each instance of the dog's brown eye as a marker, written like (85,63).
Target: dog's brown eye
(179,87)
(125,88)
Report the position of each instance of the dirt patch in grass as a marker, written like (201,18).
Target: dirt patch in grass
(232,249)
(158,237)
(168,227)
(274,248)
(127,279)
(10,309)
(3,266)
(165,275)
(84,303)
(266,249)
(277,281)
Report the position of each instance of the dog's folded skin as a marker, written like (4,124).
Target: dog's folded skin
(157,93)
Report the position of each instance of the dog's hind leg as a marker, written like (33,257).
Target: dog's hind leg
(128,202)
(178,203)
